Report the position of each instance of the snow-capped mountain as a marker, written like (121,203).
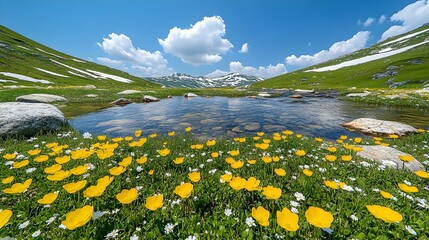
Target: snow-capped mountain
(181,80)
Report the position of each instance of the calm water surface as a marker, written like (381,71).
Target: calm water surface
(221,116)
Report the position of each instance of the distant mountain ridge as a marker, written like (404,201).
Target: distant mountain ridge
(181,80)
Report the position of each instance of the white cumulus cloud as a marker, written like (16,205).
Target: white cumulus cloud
(202,43)
(367,22)
(410,17)
(261,71)
(382,19)
(121,47)
(244,48)
(358,41)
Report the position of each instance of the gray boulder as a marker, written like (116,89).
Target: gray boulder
(304,91)
(264,94)
(28,119)
(148,98)
(379,127)
(40,98)
(127,92)
(188,95)
(398,84)
(390,157)
(121,102)
(364,94)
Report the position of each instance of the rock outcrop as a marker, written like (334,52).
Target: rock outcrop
(28,119)
(40,98)
(379,127)
(148,98)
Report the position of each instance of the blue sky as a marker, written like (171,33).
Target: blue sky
(150,38)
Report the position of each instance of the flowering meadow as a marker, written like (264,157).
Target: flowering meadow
(148,186)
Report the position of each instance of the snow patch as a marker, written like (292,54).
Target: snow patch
(76,69)
(77,60)
(49,53)
(23,47)
(385,50)
(52,73)
(113,77)
(365,59)
(77,74)
(405,37)
(4,81)
(25,78)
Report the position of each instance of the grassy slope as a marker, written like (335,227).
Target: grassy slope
(18,60)
(360,76)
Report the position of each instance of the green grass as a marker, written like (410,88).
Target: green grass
(203,213)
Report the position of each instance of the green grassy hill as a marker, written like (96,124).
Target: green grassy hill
(412,66)
(20,55)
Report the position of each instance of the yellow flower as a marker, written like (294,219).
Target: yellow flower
(226,177)
(393,136)
(234,153)
(211,143)
(184,190)
(237,183)
(62,160)
(252,184)
(300,153)
(126,161)
(385,144)
(178,160)
(118,139)
(128,138)
(5,215)
(141,160)
(151,172)
(101,137)
(188,129)
(287,132)
(266,140)
(319,217)
(271,192)
(48,198)
(58,176)
(127,196)
(357,140)
(256,138)
(307,172)
(215,154)
(378,139)
(194,176)
(422,174)
(386,194)
(251,161)
(318,140)
(346,158)
(267,159)
(116,171)
(261,215)
(104,154)
(260,134)
(74,186)
(408,189)
(79,170)
(34,152)
(406,158)
(78,217)
(41,158)
(154,202)
(331,184)
(7,180)
(164,152)
(357,149)
(51,145)
(298,135)
(237,164)
(262,146)
(384,213)
(94,191)
(20,164)
(229,160)
(171,134)
(331,149)
(18,187)
(287,220)
(277,138)
(280,172)
(138,133)
(53,169)
(420,130)
(9,156)
(153,135)
(330,158)
(105,181)
(198,146)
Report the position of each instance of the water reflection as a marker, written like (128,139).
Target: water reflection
(220,116)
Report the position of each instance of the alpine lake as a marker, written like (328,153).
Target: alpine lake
(220,117)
